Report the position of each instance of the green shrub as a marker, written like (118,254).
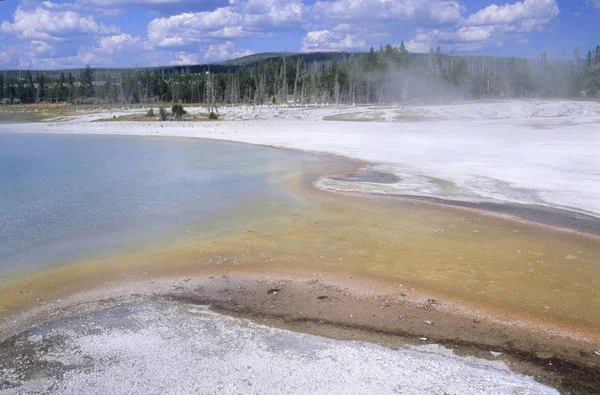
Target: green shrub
(178,111)
(213,116)
(150,113)
(163,114)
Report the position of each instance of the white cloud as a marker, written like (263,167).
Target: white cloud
(524,16)
(49,35)
(113,44)
(595,3)
(189,28)
(52,22)
(240,19)
(63,33)
(422,43)
(326,40)
(469,33)
(272,12)
(490,27)
(184,58)
(225,51)
(374,11)
(138,2)
(36,55)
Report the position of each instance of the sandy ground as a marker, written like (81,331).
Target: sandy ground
(48,350)
(527,152)
(168,348)
(174,344)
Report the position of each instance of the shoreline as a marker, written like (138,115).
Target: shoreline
(556,218)
(559,219)
(348,309)
(343,165)
(465,154)
(543,216)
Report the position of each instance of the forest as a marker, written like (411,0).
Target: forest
(386,75)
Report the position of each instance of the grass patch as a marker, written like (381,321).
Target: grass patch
(129,118)
(143,117)
(408,116)
(357,117)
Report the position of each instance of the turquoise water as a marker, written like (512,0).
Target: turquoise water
(64,198)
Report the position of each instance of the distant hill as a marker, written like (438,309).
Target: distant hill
(218,67)
(251,60)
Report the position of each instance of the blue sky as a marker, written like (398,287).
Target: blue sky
(72,33)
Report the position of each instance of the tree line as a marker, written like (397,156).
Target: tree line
(385,75)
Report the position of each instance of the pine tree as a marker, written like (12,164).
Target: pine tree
(1,86)
(87,82)
(71,88)
(41,87)
(62,92)
(404,56)
(28,93)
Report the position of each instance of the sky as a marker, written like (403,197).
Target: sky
(58,34)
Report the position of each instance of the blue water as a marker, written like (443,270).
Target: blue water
(64,198)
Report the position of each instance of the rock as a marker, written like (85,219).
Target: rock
(495,354)
(431,301)
(428,322)
(597,353)
(273,291)
(423,339)
(323,297)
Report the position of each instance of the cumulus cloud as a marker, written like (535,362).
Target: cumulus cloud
(113,44)
(189,28)
(422,43)
(524,16)
(164,7)
(490,27)
(326,40)
(184,59)
(373,11)
(225,51)
(468,33)
(240,19)
(189,31)
(52,22)
(46,34)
